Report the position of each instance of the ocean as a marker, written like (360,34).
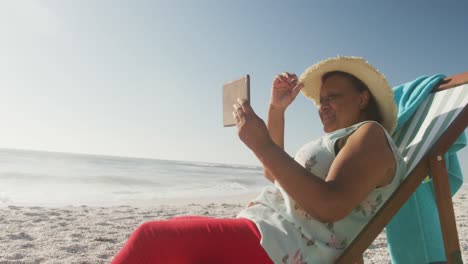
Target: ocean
(37,178)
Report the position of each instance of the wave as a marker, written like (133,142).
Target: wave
(90,179)
(219,165)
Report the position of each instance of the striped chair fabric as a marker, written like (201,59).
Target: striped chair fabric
(428,123)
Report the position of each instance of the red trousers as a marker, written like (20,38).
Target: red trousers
(194,240)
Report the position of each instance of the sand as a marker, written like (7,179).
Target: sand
(94,234)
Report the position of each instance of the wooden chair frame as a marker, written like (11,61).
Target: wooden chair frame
(434,163)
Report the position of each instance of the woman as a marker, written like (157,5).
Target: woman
(320,199)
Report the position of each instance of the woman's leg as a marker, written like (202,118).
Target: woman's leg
(193,240)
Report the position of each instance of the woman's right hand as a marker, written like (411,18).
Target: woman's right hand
(283,92)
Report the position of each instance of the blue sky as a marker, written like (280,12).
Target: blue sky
(144,78)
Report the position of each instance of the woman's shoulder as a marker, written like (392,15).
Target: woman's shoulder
(372,130)
(371,127)
(366,132)
(372,133)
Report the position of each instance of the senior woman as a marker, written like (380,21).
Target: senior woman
(320,200)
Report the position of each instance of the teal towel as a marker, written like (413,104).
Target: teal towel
(414,234)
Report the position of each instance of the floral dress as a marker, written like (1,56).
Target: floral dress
(289,234)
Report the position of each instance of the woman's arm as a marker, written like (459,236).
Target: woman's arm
(364,163)
(275,125)
(282,95)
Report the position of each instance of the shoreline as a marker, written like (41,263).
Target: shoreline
(145,203)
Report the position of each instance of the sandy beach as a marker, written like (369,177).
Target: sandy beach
(94,234)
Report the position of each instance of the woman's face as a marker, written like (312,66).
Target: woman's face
(341,103)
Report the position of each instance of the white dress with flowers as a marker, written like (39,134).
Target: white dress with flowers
(289,234)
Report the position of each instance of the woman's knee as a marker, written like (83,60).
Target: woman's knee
(143,233)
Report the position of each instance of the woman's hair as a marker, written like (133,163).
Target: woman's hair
(372,109)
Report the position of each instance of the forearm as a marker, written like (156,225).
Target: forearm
(313,194)
(275,125)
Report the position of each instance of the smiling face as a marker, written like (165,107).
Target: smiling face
(341,103)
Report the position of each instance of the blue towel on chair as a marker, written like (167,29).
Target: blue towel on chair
(414,234)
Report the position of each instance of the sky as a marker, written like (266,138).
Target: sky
(144,78)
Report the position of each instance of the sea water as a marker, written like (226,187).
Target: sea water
(36,178)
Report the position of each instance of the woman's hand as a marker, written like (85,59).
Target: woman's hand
(283,92)
(250,128)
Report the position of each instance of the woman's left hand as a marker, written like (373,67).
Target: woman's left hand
(251,128)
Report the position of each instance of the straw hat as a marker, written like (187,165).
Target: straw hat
(375,81)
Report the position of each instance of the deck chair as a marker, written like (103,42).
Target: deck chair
(433,128)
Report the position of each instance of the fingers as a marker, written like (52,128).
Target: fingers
(239,116)
(245,105)
(242,110)
(288,76)
(296,90)
(285,80)
(238,113)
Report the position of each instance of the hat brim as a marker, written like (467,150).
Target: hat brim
(375,81)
